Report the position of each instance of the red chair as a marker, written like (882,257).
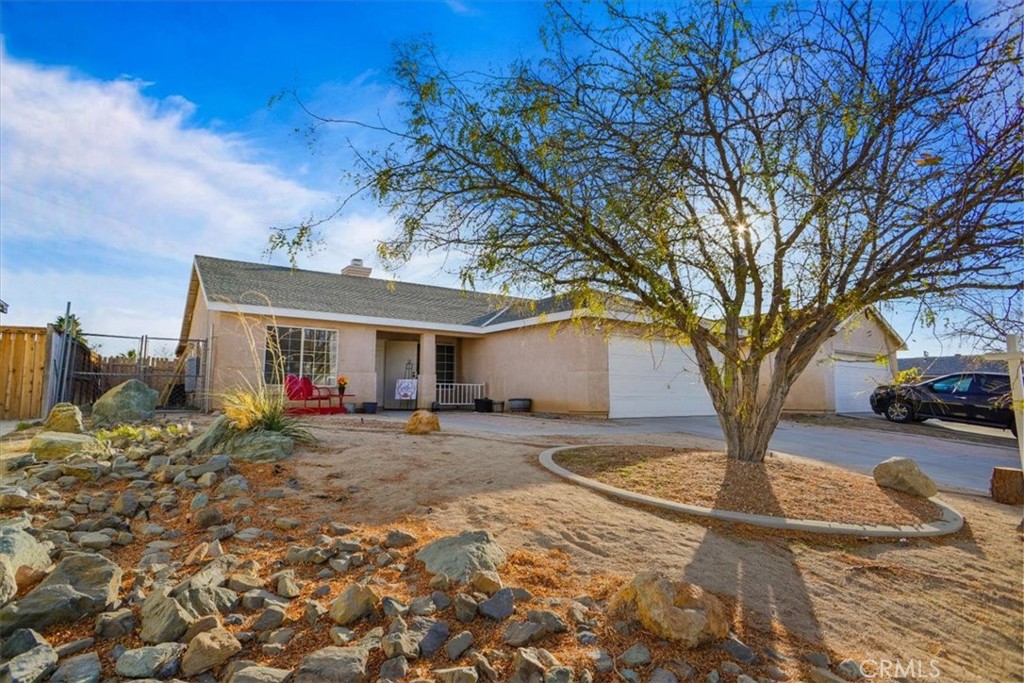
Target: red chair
(302,389)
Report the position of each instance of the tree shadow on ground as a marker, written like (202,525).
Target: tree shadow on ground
(773,605)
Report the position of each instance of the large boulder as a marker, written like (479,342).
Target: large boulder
(17,498)
(154,661)
(527,666)
(252,446)
(31,666)
(57,445)
(354,603)
(209,649)
(64,417)
(333,665)
(8,581)
(80,585)
(260,674)
(260,446)
(164,619)
(459,556)
(21,557)
(130,401)
(674,610)
(422,422)
(903,474)
(81,669)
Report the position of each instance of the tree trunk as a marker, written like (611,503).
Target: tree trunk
(747,440)
(1007,486)
(749,416)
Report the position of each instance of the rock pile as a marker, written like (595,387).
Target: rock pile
(195,604)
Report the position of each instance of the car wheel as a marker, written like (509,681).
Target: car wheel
(899,411)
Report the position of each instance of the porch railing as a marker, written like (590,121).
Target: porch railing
(450,394)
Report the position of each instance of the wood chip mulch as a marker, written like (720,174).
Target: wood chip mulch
(778,487)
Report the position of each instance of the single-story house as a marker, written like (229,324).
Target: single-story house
(461,345)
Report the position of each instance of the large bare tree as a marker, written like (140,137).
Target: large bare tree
(749,177)
(982,319)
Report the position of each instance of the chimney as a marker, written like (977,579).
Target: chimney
(356,269)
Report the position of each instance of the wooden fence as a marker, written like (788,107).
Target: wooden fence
(24,356)
(155,372)
(37,370)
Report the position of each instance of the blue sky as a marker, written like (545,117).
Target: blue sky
(135,135)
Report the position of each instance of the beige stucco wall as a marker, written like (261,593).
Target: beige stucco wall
(199,328)
(863,337)
(239,344)
(563,368)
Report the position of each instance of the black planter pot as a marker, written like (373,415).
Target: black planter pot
(520,405)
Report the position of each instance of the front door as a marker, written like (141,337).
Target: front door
(400,358)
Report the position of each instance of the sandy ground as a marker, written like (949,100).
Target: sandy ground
(955,602)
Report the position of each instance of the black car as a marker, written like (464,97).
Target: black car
(981,398)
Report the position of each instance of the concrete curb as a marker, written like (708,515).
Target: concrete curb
(950,522)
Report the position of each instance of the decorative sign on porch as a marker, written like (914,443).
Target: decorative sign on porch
(405,390)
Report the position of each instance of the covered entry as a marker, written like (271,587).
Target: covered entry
(397,358)
(652,378)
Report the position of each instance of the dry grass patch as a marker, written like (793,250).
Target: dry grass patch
(778,487)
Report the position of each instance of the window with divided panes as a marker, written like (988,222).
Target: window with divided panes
(445,363)
(303,352)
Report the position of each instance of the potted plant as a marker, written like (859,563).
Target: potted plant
(342,384)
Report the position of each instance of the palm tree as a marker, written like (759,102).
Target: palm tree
(72,325)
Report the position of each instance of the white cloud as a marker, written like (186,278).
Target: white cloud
(107,193)
(459,7)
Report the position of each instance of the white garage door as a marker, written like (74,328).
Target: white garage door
(654,379)
(855,380)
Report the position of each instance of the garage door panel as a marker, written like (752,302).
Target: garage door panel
(854,382)
(654,379)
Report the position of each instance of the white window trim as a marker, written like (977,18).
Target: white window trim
(455,361)
(302,346)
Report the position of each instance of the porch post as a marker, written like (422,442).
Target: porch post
(427,389)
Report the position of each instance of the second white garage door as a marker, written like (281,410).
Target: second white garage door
(854,382)
(654,379)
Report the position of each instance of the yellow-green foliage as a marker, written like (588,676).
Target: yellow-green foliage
(261,408)
(126,435)
(908,376)
(248,409)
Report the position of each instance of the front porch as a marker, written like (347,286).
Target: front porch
(422,371)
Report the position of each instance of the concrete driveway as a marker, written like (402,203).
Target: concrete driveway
(952,464)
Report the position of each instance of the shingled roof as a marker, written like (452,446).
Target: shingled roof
(933,366)
(281,289)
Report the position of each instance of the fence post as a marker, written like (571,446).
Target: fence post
(62,376)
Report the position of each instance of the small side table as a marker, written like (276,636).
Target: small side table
(341,402)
